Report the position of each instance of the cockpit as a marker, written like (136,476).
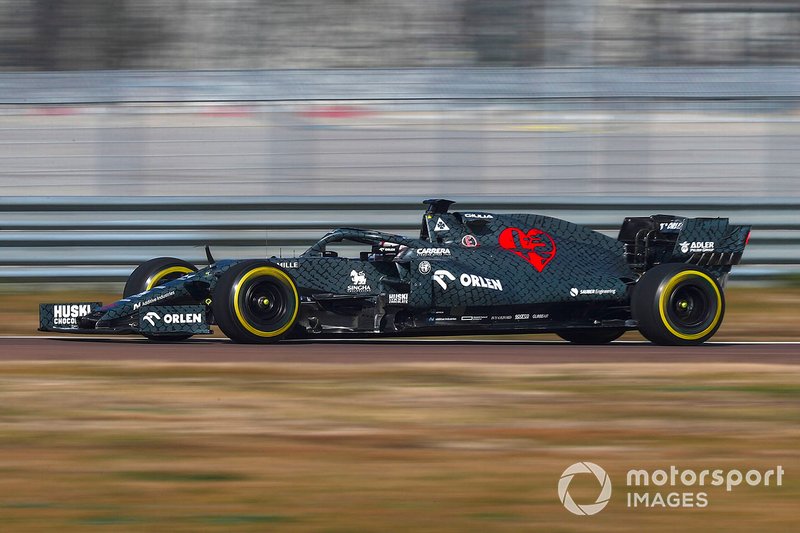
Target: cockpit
(351,243)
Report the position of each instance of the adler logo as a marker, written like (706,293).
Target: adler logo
(697,246)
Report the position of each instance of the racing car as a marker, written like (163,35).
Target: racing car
(470,272)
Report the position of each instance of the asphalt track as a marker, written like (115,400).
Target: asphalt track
(69,348)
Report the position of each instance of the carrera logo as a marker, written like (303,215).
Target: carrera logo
(433,252)
(534,245)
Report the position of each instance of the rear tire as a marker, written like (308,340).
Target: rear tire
(591,336)
(255,302)
(151,274)
(678,304)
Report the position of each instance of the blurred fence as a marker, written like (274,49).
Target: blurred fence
(258,154)
(103,239)
(726,86)
(428,132)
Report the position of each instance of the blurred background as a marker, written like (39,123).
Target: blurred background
(51,35)
(131,129)
(590,110)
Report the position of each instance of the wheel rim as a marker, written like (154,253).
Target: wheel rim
(688,307)
(266,301)
(691,305)
(264,304)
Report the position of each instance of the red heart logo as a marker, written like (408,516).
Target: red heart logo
(535,246)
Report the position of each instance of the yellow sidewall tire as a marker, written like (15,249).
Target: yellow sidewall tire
(155,272)
(155,279)
(235,310)
(268,271)
(651,299)
(666,292)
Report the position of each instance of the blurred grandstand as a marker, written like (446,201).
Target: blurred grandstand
(257,34)
(439,121)
(595,100)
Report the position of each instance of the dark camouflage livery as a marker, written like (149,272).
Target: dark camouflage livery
(172,319)
(467,272)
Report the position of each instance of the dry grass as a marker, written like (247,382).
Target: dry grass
(383,448)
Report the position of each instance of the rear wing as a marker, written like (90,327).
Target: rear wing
(710,242)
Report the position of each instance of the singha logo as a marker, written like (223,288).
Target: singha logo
(358,278)
(358,282)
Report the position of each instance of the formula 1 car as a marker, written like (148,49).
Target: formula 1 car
(468,273)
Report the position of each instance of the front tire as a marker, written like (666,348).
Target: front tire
(678,304)
(255,302)
(153,273)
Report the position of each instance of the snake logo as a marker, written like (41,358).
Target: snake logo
(590,508)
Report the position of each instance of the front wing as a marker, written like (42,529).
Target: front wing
(148,320)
